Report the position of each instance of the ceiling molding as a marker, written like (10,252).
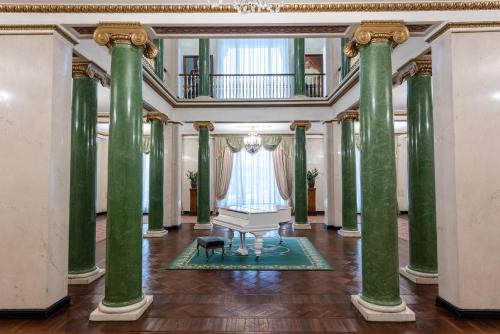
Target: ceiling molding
(494,25)
(250,30)
(288,8)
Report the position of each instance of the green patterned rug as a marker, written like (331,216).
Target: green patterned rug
(293,254)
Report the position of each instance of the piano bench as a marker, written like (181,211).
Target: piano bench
(209,243)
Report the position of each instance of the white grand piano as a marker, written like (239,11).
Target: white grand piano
(256,219)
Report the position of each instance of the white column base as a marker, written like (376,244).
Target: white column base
(155,234)
(349,234)
(126,313)
(86,278)
(301,226)
(198,226)
(379,313)
(418,277)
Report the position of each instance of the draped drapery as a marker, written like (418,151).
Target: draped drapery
(223,167)
(282,158)
(146,144)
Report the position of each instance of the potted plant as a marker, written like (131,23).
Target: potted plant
(193,178)
(311,177)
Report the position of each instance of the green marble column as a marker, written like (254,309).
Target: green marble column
(344,60)
(421,188)
(204,66)
(156,161)
(300,199)
(159,58)
(298,62)
(203,215)
(378,177)
(124,227)
(349,205)
(82,210)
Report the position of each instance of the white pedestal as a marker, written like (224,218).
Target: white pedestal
(349,234)
(86,278)
(418,277)
(126,313)
(155,234)
(379,313)
(203,226)
(301,226)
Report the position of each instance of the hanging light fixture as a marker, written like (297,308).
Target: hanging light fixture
(252,142)
(251,6)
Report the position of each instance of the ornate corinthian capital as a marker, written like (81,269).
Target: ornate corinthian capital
(85,68)
(375,31)
(156,116)
(203,124)
(348,115)
(298,124)
(418,66)
(133,33)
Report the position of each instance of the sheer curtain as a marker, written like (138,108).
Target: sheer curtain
(145,183)
(253,180)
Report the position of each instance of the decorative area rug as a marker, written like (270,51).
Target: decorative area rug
(293,254)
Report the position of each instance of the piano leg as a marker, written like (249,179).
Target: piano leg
(281,231)
(230,236)
(258,244)
(243,250)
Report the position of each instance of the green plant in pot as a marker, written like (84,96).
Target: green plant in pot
(193,178)
(311,177)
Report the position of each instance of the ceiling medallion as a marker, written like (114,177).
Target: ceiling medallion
(251,6)
(252,142)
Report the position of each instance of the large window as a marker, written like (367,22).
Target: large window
(253,180)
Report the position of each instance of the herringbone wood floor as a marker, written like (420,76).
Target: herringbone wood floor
(239,301)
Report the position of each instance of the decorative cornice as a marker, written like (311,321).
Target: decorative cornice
(203,124)
(85,68)
(463,25)
(300,124)
(376,31)
(133,33)
(37,29)
(287,8)
(250,30)
(418,66)
(348,115)
(156,116)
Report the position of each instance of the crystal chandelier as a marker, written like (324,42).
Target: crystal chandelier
(251,6)
(252,142)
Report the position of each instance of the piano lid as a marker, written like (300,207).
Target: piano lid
(253,208)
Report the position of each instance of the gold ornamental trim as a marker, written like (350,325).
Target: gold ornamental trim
(348,115)
(37,29)
(376,31)
(203,124)
(84,68)
(300,124)
(419,66)
(156,116)
(463,25)
(132,33)
(287,8)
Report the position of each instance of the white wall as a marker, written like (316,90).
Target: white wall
(315,159)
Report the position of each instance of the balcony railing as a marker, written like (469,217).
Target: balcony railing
(251,86)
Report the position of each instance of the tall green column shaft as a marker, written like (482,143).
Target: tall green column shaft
(204,66)
(378,177)
(156,154)
(344,60)
(298,63)
(159,58)
(82,210)
(349,207)
(124,227)
(203,177)
(421,179)
(300,176)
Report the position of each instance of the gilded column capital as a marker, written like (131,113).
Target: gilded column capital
(133,33)
(156,116)
(84,68)
(376,31)
(203,124)
(418,66)
(301,123)
(348,115)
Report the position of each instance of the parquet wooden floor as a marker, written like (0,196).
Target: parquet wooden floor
(248,302)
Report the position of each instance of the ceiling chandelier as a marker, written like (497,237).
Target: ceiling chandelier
(251,6)
(252,142)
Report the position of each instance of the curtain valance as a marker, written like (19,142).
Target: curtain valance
(236,143)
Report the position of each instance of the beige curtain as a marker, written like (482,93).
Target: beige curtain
(223,167)
(282,159)
(146,144)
